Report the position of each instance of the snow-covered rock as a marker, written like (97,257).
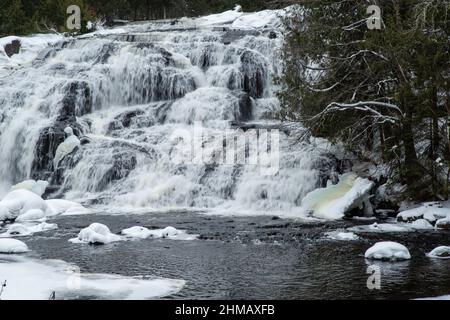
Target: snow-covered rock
(226,17)
(31,215)
(442,252)
(20,201)
(388,250)
(443,223)
(334,201)
(66,147)
(12,246)
(421,224)
(342,236)
(37,187)
(96,233)
(65,207)
(169,233)
(23,230)
(137,232)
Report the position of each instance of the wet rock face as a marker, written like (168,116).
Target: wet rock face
(254,68)
(76,102)
(245,107)
(12,48)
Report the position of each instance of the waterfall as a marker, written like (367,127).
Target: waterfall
(124,92)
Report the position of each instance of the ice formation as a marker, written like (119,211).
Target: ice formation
(334,201)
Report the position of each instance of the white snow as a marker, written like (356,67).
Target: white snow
(12,246)
(169,233)
(96,233)
(66,147)
(333,201)
(342,236)
(29,279)
(27,229)
(38,187)
(31,215)
(65,208)
(442,252)
(20,201)
(388,250)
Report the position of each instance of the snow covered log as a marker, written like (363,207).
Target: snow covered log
(334,201)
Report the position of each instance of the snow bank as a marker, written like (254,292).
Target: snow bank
(20,201)
(65,208)
(38,187)
(29,279)
(66,147)
(342,236)
(24,230)
(441,252)
(169,233)
(333,201)
(388,250)
(96,233)
(12,246)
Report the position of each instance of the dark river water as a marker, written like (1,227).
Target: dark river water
(253,257)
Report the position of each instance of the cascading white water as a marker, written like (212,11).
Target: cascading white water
(127,91)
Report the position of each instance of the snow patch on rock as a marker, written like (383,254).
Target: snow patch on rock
(66,147)
(38,187)
(29,279)
(442,252)
(24,230)
(388,250)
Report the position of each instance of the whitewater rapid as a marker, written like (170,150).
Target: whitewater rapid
(126,91)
